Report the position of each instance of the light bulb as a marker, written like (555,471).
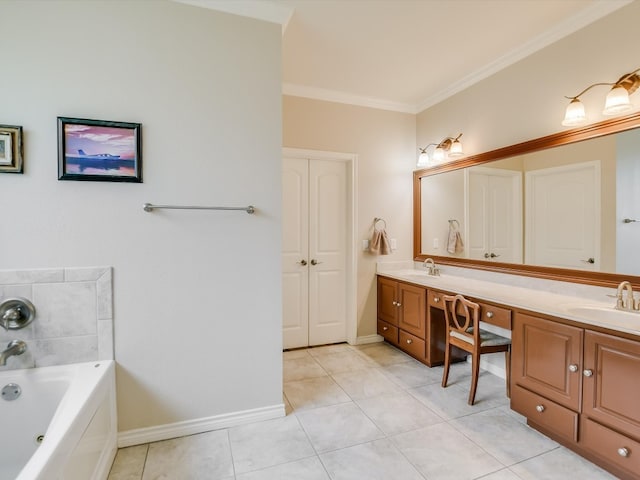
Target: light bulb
(617,101)
(575,114)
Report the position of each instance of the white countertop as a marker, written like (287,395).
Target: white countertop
(592,311)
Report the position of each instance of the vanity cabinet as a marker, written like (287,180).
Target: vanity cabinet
(402,315)
(580,387)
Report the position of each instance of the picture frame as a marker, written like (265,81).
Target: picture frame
(99,150)
(11,149)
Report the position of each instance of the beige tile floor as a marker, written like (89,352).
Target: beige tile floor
(366,413)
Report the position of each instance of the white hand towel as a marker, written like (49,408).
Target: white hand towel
(380,243)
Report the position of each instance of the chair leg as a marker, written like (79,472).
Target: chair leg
(507,367)
(475,370)
(447,360)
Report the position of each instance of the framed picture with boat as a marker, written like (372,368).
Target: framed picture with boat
(10,149)
(99,150)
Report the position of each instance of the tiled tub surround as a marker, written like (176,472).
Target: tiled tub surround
(543,296)
(74,315)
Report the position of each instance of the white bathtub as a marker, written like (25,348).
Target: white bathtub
(73,407)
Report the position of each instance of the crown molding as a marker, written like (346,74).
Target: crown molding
(598,10)
(259,9)
(347,98)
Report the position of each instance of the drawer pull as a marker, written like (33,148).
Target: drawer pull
(623,452)
(588,373)
(489,314)
(540,408)
(409,341)
(573,368)
(384,329)
(436,299)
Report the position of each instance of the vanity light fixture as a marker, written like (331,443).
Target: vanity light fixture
(448,148)
(617,100)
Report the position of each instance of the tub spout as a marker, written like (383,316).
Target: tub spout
(15,347)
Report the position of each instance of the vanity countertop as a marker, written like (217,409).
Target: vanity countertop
(586,311)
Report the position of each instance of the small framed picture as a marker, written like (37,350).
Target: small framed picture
(10,149)
(99,150)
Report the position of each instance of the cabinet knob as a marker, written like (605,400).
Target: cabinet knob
(573,368)
(302,262)
(436,299)
(398,304)
(588,373)
(623,452)
(540,408)
(409,341)
(489,314)
(394,302)
(384,329)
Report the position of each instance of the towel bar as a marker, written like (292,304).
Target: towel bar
(148,207)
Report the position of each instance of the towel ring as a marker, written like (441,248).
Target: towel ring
(452,221)
(375,223)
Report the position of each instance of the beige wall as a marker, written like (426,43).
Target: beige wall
(385,143)
(197,309)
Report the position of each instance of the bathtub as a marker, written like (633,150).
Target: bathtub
(61,426)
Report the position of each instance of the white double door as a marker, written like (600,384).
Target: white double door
(314,251)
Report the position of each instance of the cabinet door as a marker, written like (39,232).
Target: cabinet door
(610,384)
(387,300)
(412,316)
(546,359)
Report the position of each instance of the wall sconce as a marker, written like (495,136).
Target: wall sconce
(448,148)
(617,100)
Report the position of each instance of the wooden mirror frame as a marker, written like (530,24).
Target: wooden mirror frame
(607,127)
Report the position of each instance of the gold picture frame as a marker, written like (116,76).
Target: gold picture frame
(10,149)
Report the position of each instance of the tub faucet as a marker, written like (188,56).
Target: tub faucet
(430,265)
(15,347)
(629,303)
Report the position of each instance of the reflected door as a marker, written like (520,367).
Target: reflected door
(494,214)
(562,209)
(314,252)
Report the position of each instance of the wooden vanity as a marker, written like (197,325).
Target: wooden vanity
(577,383)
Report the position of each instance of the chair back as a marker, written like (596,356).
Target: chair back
(461,315)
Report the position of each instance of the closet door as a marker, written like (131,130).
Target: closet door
(295,252)
(314,252)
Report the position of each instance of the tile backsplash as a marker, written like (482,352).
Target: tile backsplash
(74,315)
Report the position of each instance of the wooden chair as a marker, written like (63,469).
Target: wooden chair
(463,320)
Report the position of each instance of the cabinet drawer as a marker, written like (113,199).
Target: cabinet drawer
(434,299)
(609,445)
(388,331)
(543,412)
(498,316)
(412,344)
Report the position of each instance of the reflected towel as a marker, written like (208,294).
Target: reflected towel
(380,243)
(454,243)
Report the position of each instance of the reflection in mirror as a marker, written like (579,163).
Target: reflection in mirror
(560,207)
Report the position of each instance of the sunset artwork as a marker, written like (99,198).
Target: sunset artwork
(94,149)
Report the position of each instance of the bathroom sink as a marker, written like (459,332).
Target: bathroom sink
(606,315)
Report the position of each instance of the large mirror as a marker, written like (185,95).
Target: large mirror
(565,207)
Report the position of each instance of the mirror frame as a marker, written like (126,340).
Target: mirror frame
(607,127)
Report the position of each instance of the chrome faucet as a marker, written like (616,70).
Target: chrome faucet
(15,347)
(630,303)
(430,265)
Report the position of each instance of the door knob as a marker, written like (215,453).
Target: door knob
(315,262)
(486,255)
(493,255)
(302,262)
(589,260)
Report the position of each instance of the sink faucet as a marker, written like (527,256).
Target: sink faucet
(15,347)
(430,265)
(629,303)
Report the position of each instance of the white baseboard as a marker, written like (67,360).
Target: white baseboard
(490,367)
(369,339)
(190,427)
